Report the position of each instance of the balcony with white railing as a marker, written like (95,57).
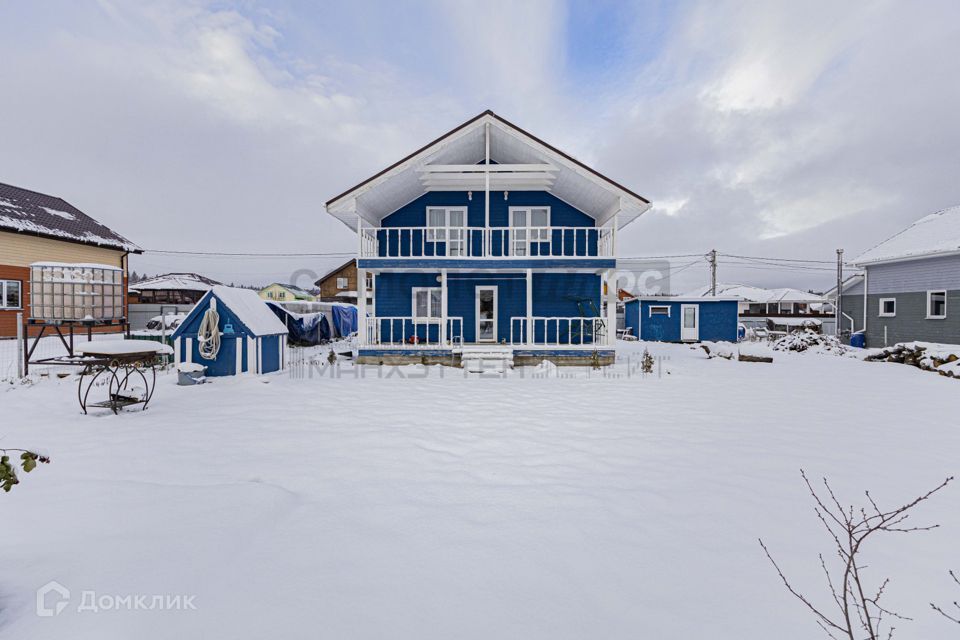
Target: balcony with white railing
(546,333)
(487,242)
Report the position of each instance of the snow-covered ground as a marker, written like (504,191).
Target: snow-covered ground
(420,503)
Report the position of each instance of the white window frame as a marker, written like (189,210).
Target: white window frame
(454,236)
(531,233)
(343,283)
(930,293)
(659,308)
(3,294)
(430,310)
(884,314)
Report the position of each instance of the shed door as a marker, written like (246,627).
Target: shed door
(689,322)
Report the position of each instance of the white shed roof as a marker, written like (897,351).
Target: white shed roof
(455,161)
(932,235)
(250,308)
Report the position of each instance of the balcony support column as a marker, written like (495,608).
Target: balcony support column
(529,323)
(611,277)
(362,337)
(443,307)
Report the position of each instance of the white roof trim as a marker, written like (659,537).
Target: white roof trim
(528,165)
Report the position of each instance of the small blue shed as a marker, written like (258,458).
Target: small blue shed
(671,319)
(248,337)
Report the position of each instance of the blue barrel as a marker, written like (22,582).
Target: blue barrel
(858,340)
(741,332)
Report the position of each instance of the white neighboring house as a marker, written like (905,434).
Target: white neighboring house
(782,309)
(910,289)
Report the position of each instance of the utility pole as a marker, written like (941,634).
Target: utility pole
(712,256)
(838,305)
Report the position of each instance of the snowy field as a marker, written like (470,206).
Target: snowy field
(444,506)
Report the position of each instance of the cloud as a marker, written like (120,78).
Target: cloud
(758,128)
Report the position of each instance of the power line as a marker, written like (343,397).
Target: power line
(730,255)
(221,254)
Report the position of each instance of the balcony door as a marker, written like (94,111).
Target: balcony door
(446,229)
(486,314)
(529,231)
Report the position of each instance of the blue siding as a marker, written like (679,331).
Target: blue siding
(413,243)
(554,295)
(271,347)
(718,320)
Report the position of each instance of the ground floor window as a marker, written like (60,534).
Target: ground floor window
(936,304)
(888,307)
(427,302)
(659,310)
(10,295)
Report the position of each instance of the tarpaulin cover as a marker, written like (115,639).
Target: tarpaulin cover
(345,320)
(305,329)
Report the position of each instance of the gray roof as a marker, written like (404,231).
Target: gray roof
(38,214)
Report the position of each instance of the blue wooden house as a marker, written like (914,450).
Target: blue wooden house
(670,319)
(252,339)
(487,242)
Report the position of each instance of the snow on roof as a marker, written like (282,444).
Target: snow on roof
(250,308)
(935,234)
(749,293)
(25,211)
(175,281)
(77,265)
(292,288)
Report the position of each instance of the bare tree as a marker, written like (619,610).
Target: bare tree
(953,615)
(856,611)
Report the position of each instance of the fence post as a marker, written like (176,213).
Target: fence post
(21,347)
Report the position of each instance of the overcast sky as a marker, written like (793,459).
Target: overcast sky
(774,129)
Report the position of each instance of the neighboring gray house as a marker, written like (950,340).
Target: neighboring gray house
(910,285)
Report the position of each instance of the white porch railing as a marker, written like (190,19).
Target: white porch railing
(488,242)
(398,331)
(558,332)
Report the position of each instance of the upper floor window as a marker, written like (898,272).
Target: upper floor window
(10,297)
(342,283)
(528,227)
(936,305)
(448,225)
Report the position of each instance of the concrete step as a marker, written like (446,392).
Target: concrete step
(485,359)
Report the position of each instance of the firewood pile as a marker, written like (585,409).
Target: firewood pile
(800,341)
(942,358)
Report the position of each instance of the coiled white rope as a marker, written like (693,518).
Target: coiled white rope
(208,336)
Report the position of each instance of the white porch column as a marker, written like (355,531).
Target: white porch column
(611,307)
(361,306)
(530,307)
(443,306)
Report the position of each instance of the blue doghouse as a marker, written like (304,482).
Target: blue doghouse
(231,331)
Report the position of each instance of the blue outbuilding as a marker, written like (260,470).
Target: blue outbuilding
(670,319)
(231,331)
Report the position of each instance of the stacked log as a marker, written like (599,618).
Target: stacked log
(919,355)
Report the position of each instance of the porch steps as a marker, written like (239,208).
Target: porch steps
(487,359)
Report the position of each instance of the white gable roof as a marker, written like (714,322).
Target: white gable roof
(248,307)
(749,293)
(539,166)
(935,234)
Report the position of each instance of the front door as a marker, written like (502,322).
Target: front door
(486,314)
(690,322)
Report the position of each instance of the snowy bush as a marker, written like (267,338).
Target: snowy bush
(806,340)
